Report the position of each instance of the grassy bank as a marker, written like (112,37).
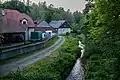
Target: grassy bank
(48,44)
(57,66)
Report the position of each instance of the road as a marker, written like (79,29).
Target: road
(7,68)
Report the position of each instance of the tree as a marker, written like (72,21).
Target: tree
(37,12)
(88,7)
(1,4)
(44,4)
(77,16)
(48,15)
(16,5)
(102,39)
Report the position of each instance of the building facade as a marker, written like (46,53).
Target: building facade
(14,24)
(61,26)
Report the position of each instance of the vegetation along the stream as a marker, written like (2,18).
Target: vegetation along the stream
(102,31)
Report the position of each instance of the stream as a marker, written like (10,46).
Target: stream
(77,72)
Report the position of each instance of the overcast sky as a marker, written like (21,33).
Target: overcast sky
(73,5)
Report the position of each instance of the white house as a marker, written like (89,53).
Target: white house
(61,26)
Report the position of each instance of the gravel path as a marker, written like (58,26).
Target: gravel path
(5,69)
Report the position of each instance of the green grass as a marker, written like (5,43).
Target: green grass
(57,66)
(18,57)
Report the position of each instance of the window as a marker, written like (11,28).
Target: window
(24,21)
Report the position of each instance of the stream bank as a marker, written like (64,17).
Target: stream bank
(77,72)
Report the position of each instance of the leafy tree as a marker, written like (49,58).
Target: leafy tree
(77,16)
(37,11)
(77,24)
(16,5)
(1,4)
(102,39)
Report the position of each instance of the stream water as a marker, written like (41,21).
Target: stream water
(77,72)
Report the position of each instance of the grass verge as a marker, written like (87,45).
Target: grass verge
(57,66)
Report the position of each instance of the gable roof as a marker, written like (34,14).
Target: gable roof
(36,22)
(11,21)
(56,24)
(43,24)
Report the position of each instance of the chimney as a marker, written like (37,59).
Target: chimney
(3,12)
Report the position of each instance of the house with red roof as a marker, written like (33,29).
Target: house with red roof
(14,25)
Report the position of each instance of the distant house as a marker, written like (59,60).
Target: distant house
(44,27)
(14,25)
(61,26)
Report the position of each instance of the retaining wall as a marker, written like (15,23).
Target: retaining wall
(24,49)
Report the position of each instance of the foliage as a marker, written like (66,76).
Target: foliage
(49,12)
(78,23)
(55,67)
(16,5)
(102,40)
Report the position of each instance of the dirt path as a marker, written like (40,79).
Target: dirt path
(5,69)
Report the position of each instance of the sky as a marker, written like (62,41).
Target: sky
(73,5)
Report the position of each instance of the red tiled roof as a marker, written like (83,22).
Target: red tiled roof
(11,21)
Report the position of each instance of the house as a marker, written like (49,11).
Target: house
(14,25)
(44,27)
(61,26)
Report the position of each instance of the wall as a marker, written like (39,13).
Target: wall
(29,31)
(25,49)
(63,30)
